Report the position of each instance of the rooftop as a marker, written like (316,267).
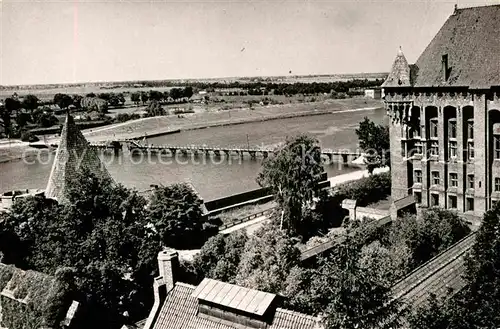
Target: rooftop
(73,154)
(469,41)
(180,309)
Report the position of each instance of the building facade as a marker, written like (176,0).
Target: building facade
(445,116)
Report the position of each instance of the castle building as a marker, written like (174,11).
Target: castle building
(445,116)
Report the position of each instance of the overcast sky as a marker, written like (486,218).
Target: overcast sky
(106,40)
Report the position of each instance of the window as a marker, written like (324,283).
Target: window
(496,147)
(435,178)
(470,204)
(497,184)
(452,148)
(470,150)
(418,197)
(418,176)
(433,131)
(418,148)
(452,128)
(434,200)
(470,181)
(453,180)
(452,202)
(470,129)
(434,148)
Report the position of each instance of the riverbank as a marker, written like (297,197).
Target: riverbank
(166,124)
(157,125)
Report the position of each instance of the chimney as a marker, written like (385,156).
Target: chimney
(168,265)
(444,63)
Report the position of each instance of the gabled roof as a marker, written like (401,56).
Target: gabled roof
(73,154)
(400,72)
(180,311)
(437,276)
(471,39)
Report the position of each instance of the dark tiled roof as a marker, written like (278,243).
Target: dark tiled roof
(470,38)
(180,311)
(437,276)
(404,202)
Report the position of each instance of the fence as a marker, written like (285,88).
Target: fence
(245,219)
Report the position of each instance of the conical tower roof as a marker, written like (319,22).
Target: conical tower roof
(400,73)
(73,155)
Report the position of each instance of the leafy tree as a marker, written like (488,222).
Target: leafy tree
(268,257)
(345,288)
(154,109)
(155,95)
(176,214)
(176,93)
(374,140)
(63,100)
(187,92)
(30,102)
(103,234)
(77,101)
(135,97)
(22,119)
(144,97)
(220,256)
(293,173)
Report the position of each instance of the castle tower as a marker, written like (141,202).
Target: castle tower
(73,154)
(400,72)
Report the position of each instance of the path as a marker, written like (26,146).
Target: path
(250,225)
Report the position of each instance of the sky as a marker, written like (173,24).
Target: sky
(114,40)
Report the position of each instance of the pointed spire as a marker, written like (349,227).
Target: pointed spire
(73,154)
(400,73)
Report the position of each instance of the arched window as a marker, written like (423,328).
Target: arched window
(496,141)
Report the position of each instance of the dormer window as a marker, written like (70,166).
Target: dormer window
(444,63)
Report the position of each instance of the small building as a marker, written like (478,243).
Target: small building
(375,93)
(215,304)
(9,197)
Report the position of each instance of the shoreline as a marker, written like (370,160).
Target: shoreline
(22,150)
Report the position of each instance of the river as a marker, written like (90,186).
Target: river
(212,177)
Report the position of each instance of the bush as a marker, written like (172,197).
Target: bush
(26,136)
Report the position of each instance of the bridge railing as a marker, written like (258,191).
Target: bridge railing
(245,219)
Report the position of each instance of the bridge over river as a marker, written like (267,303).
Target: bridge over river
(171,150)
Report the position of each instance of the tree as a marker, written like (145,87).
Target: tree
(63,100)
(187,92)
(135,97)
(375,142)
(103,234)
(220,256)
(176,93)
(154,109)
(292,173)
(30,102)
(176,214)
(144,97)
(268,257)
(11,105)
(77,101)
(345,289)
